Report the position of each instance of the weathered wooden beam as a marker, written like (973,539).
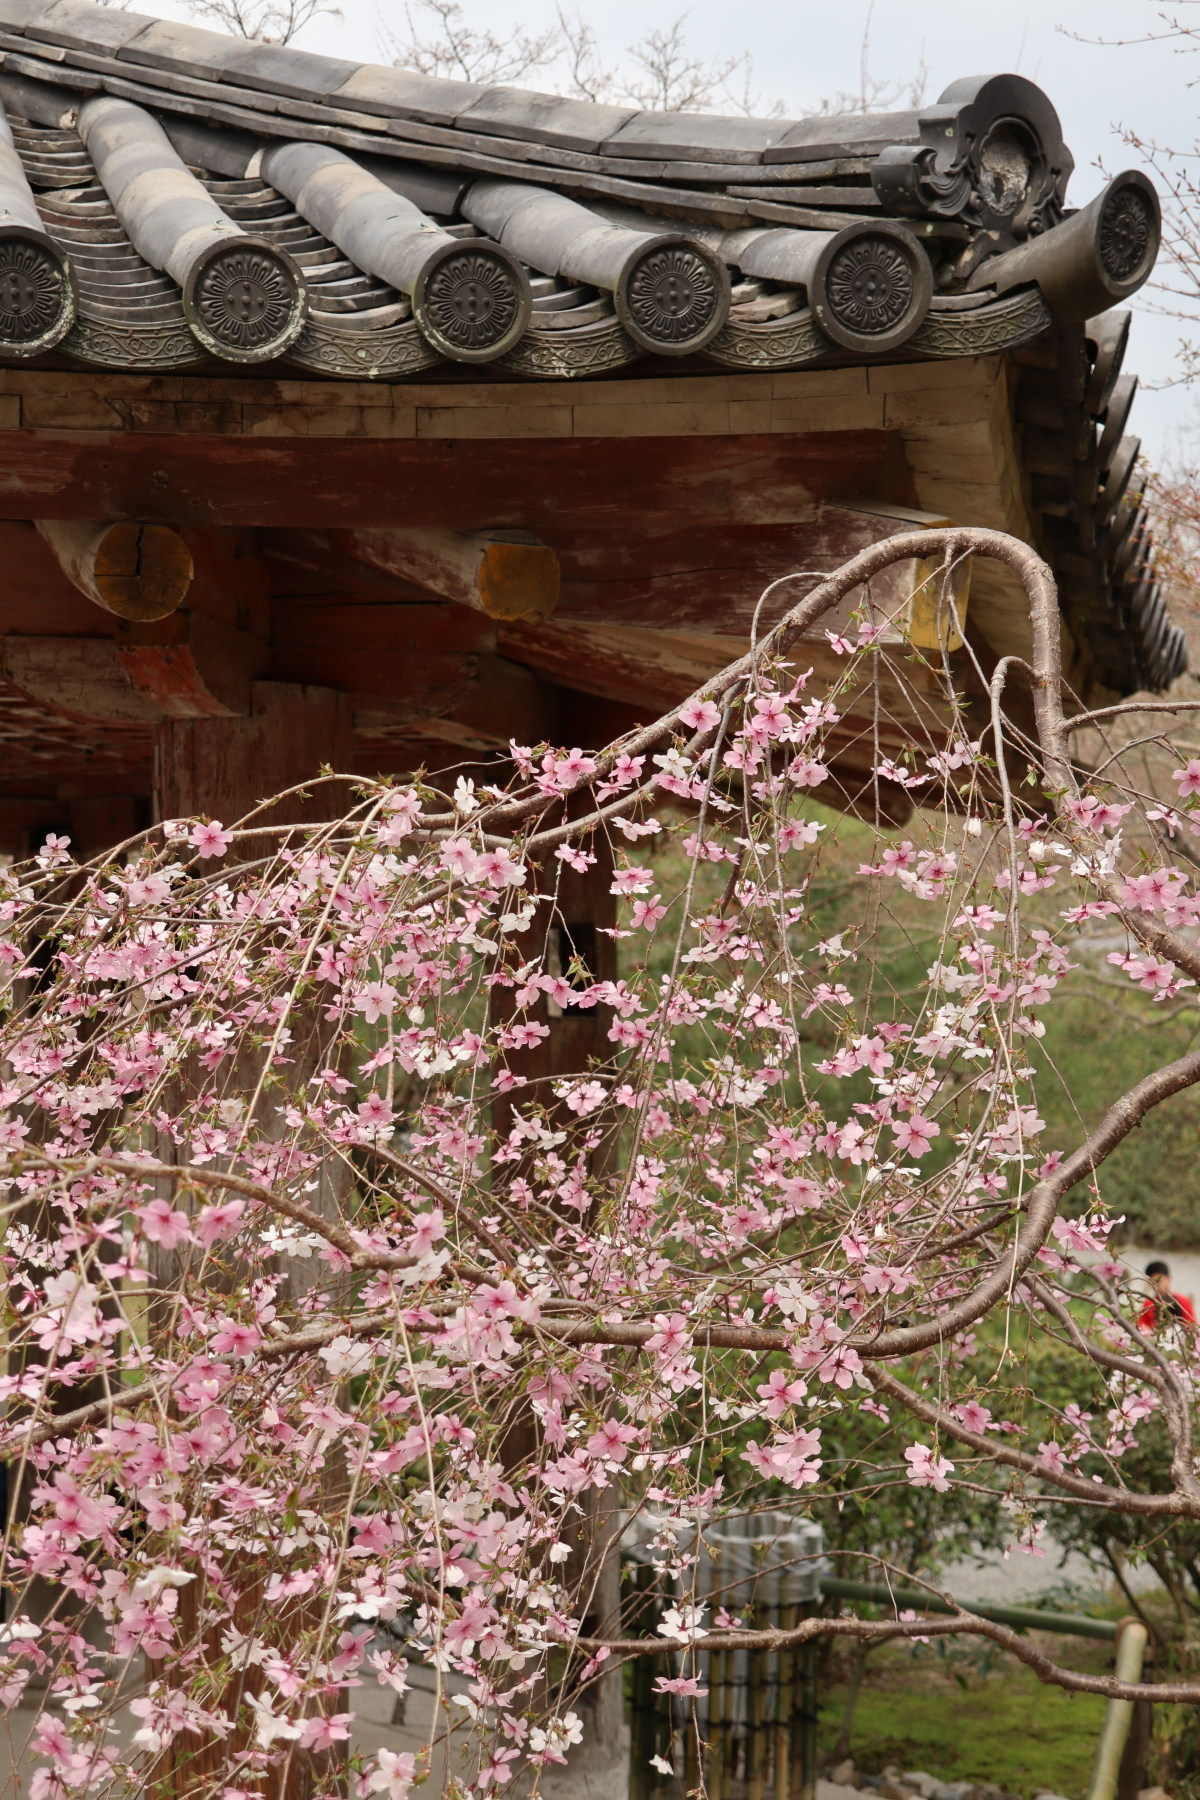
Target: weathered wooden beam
(711,575)
(81,678)
(505,574)
(137,571)
(197,478)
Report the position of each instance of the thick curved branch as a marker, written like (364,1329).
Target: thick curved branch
(1121,1118)
(1096,1493)
(882,1629)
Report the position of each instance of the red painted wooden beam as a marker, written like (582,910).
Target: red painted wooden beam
(188,479)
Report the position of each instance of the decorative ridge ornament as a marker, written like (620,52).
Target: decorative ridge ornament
(991,152)
(1096,258)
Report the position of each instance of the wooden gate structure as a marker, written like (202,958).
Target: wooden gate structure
(350,415)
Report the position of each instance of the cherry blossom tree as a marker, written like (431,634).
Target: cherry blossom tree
(339,1342)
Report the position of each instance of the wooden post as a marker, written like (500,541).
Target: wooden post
(221,767)
(572,929)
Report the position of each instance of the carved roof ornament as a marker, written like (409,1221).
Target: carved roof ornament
(990,153)
(673,296)
(472,303)
(37,300)
(1096,258)
(871,288)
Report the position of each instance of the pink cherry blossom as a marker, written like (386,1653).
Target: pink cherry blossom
(210,839)
(927,1469)
(700,715)
(915,1134)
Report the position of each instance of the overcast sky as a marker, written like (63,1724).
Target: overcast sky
(805,50)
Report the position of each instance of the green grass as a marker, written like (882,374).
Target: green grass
(1005,1727)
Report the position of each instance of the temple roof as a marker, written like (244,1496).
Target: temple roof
(186,195)
(172,199)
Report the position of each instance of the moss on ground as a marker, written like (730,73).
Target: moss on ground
(970,1723)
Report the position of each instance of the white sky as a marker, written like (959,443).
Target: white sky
(806,49)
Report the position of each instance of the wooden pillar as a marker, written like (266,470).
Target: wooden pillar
(225,766)
(575,927)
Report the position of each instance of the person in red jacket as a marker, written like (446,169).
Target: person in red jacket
(1162,1306)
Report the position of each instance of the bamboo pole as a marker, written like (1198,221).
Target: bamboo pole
(755,1736)
(784,1708)
(1132,1638)
(804,1781)
(717,1664)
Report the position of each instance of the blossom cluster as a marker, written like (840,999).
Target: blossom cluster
(338,1302)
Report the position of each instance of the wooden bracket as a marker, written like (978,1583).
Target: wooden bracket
(186,667)
(191,666)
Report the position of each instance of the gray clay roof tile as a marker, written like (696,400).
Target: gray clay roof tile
(74,24)
(701,137)
(405,94)
(15,15)
(546,118)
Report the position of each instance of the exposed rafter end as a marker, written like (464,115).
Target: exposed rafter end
(137,571)
(505,574)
